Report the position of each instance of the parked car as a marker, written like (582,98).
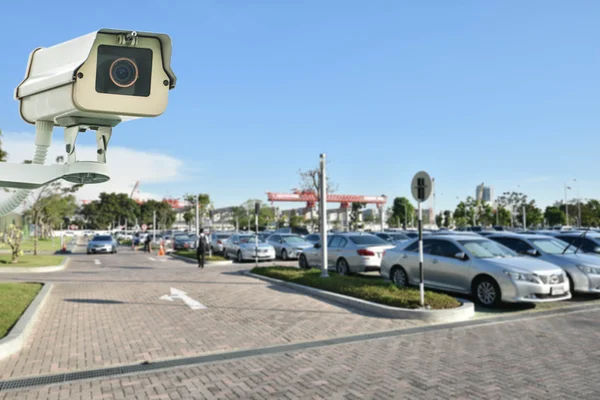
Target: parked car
(217,241)
(415,234)
(588,243)
(476,265)
(288,245)
(102,244)
(313,238)
(263,236)
(393,237)
(583,270)
(183,242)
(243,247)
(297,230)
(351,252)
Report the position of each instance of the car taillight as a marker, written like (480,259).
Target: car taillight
(365,252)
(219,242)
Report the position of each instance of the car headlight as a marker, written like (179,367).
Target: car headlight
(517,276)
(589,270)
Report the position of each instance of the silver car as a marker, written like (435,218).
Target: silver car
(288,245)
(243,247)
(583,270)
(217,241)
(348,253)
(102,244)
(474,265)
(393,237)
(588,243)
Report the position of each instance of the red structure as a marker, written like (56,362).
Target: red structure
(311,198)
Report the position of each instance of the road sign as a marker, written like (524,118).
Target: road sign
(144,227)
(421,186)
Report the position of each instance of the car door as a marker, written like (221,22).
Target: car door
(333,251)
(314,255)
(409,259)
(232,246)
(447,271)
(275,241)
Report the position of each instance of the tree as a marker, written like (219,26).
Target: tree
(513,201)
(355,215)
(439,219)
(447,218)
(111,209)
(533,214)
(165,216)
(203,203)
(3,154)
(402,211)
(504,216)
(465,212)
(49,205)
(13,237)
(554,216)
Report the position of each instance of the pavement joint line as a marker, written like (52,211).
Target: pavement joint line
(167,364)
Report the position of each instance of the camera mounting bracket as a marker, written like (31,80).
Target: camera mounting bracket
(34,176)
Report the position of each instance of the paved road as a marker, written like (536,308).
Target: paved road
(110,314)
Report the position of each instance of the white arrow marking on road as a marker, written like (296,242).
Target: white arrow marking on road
(97,262)
(180,294)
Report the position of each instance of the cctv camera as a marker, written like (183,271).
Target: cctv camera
(99,79)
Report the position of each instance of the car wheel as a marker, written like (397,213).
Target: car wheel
(487,292)
(284,255)
(341,267)
(89,252)
(225,256)
(303,262)
(239,257)
(571,285)
(399,277)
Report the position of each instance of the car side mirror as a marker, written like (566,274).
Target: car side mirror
(532,252)
(597,250)
(317,245)
(461,256)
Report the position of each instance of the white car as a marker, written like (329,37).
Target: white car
(242,247)
(348,253)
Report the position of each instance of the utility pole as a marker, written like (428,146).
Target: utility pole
(198,216)
(323,208)
(524,217)
(566,205)
(256,211)
(154,227)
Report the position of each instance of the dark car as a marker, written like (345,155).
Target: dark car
(183,242)
(296,230)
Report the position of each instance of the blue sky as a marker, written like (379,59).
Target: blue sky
(470,91)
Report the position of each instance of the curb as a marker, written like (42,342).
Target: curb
(33,270)
(15,339)
(206,264)
(462,313)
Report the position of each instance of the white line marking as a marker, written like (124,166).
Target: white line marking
(163,260)
(180,294)
(97,262)
(151,259)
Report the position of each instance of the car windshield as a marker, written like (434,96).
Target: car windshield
(553,246)
(223,236)
(486,249)
(102,238)
(294,240)
(368,240)
(248,239)
(182,237)
(398,236)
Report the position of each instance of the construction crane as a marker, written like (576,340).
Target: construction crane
(135,189)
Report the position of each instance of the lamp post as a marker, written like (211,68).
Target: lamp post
(567,187)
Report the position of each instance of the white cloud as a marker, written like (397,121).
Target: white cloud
(126,165)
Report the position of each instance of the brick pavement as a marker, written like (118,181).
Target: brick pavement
(537,358)
(110,314)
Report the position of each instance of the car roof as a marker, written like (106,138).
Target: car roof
(520,236)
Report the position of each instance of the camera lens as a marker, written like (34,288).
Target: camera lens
(123,72)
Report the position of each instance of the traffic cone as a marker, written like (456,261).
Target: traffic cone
(161,250)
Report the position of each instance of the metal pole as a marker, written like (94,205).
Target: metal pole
(524,217)
(197,216)
(421,275)
(323,208)
(497,216)
(566,205)
(256,209)
(154,227)
(381,218)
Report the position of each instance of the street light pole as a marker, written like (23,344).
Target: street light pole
(566,205)
(323,208)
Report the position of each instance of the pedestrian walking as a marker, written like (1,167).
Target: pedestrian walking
(136,241)
(147,248)
(201,249)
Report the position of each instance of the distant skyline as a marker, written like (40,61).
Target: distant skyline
(503,93)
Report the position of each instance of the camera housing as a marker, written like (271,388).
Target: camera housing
(99,79)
